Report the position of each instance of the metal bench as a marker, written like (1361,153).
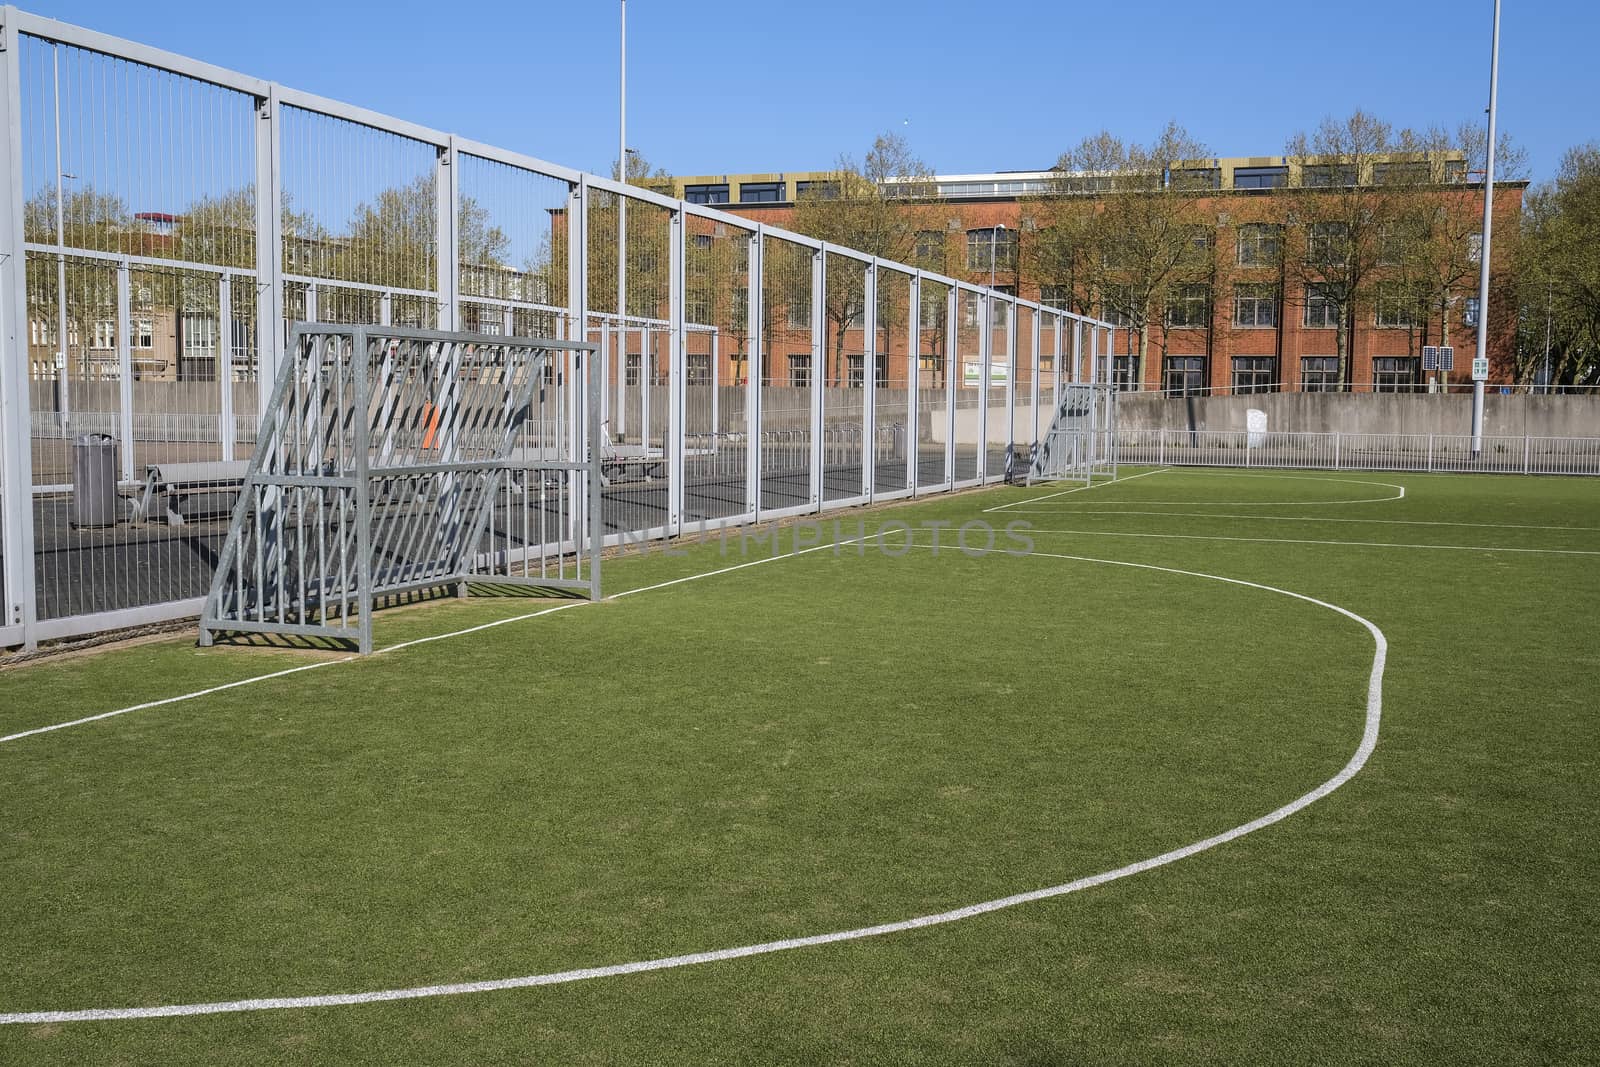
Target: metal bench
(171,483)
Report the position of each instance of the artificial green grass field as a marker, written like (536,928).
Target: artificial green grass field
(848,737)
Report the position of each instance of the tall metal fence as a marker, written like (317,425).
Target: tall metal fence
(165,222)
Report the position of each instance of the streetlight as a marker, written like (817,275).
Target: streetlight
(1480,365)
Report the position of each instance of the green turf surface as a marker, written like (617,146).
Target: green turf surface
(837,739)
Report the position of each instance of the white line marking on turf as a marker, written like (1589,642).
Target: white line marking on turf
(1308,541)
(1079,489)
(198,693)
(1400,494)
(1316,518)
(1369,740)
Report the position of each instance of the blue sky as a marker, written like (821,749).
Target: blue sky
(973,87)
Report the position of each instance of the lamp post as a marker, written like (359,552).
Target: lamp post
(1480,364)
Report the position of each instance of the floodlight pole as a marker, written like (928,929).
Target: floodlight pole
(622,205)
(1480,364)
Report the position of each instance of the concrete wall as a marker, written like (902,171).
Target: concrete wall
(1503,416)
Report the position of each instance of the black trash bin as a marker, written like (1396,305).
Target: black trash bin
(94,480)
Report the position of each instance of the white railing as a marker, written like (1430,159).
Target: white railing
(1425,453)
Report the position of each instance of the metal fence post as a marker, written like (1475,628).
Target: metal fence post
(952,308)
(1161,448)
(1430,453)
(869,381)
(984,363)
(16,461)
(755,315)
(228,430)
(914,386)
(125,366)
(1033,433)
(1337,465)
(819,376)
(1527,454)
(446,200)
(677,337)
(269,247)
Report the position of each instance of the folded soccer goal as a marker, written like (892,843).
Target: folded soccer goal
(394,461)
(1081,442)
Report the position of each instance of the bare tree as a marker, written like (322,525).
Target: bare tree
(1127,225)
(876,206)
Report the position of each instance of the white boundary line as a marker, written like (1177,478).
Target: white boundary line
(1315,518)
(1369,741)
(1077,489)
(1307,541)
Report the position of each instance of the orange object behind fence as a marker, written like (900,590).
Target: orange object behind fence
(430,422)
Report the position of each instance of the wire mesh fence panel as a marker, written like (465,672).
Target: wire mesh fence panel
(360,223)
(933,380)
(719,330)
(970,386)
(131,175)
(844,398)
(891,383)
(789,375)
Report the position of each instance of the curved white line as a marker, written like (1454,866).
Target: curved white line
(1077,489)
(1369,740)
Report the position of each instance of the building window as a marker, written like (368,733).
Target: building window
(1194,178)
(706,194)
(818,190)
(631,375)
(929,249)
(798,311)
(1325,175)
(993,248)
(1475,248)
(104,335)
(1254,374)
(1327,242)
(1116,305)
(1260,177)
(1455,170)
(1322,309)
(1189,306)
(1394,308)
(800,370)
(1394,374)
(144,333)
(1184,375)
(697,307)
(1125,373)
(1259,244)
(1255,304)
(698,369)
(1469,312)
(1320,373)
(1401,173)
(1056,296)
(761,192)
(854,371)
(702,240)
